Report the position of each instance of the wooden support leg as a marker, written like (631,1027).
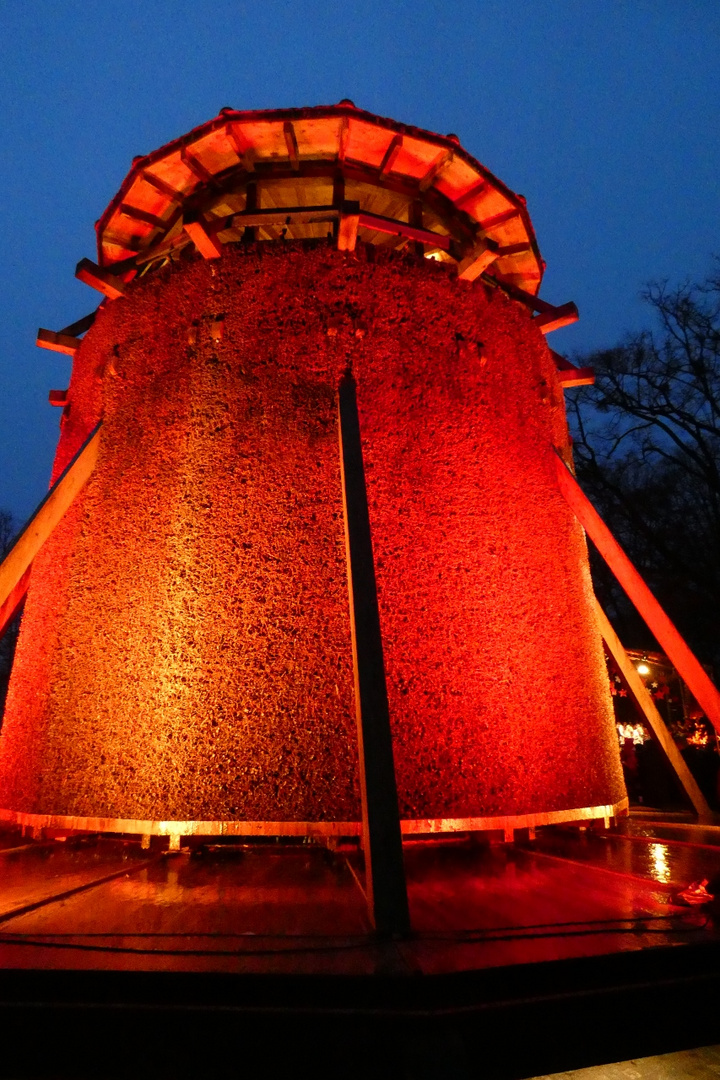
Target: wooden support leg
(384,871)
(672,643)
(653,717)
(15,566)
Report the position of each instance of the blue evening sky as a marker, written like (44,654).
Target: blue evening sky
(605,114)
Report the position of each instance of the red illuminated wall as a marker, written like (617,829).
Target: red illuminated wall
(185,652)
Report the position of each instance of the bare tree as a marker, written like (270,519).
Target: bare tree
(647,450)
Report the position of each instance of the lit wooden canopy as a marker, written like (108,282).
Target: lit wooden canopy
(301,173)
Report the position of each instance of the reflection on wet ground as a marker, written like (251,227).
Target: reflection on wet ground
(272,908)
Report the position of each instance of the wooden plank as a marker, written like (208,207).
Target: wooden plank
(207,244)
(390,155)
(58,398)
(653,717)
(386,889)
(97,278)
(50,511)
(79,327)
(556,318)
(671,641)
(348,228)
(400,228)
(62,343)
(163,187)
(292,144)
(441,162)
(474,264)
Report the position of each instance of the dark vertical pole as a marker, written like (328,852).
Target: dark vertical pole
(384,870)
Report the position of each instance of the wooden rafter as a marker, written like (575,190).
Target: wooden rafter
(62,343)
(58,398)
(401,228)
(137,214)
(204,238)
(196,166)
(163,187)
(98,278)
(500,219)
(390,155)
(443,159)
(343,137)
(560,316)
(570,375)
(471,193)
(292,144)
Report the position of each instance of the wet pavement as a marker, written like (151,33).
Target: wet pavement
(299,908)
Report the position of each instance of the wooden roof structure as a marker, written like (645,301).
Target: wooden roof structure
(301,173)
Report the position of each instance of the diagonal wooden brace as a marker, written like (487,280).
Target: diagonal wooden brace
(671,641)
(386,890)
(653,717)
(15,567)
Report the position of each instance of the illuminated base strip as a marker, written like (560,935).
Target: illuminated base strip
(62,823)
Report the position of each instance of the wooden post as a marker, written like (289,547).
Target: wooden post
(653,717)
(386,889)
(671,642)
(50,511)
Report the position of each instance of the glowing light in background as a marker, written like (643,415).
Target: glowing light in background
(660,866)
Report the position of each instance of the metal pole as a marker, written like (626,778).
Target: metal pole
(384,871)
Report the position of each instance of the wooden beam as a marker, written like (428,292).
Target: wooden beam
(292,144)
(58,398)
(386,890)
(514,249)
(443,159)
(241,145)
(80,326)
(195,166)
(526,298)
(343,137)
(97,278)
(207,244)
(471,193)
(556,318)
(163,187)
(11,605)
(349,221)
(474,264)
(62,343)
(569,375)
(400,228)
(291,215)
(137,214)
(671,642)
(499,219)
(390,155)
(50,511)
(653,717)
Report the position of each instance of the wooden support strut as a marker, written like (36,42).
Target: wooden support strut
(653,717)
(671,642)
(98,278)
(386,889)
(62,343)
(569,375)
(474,264)
(15,567)
(348,228)
(207,244)
(292,145)
(556,318)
